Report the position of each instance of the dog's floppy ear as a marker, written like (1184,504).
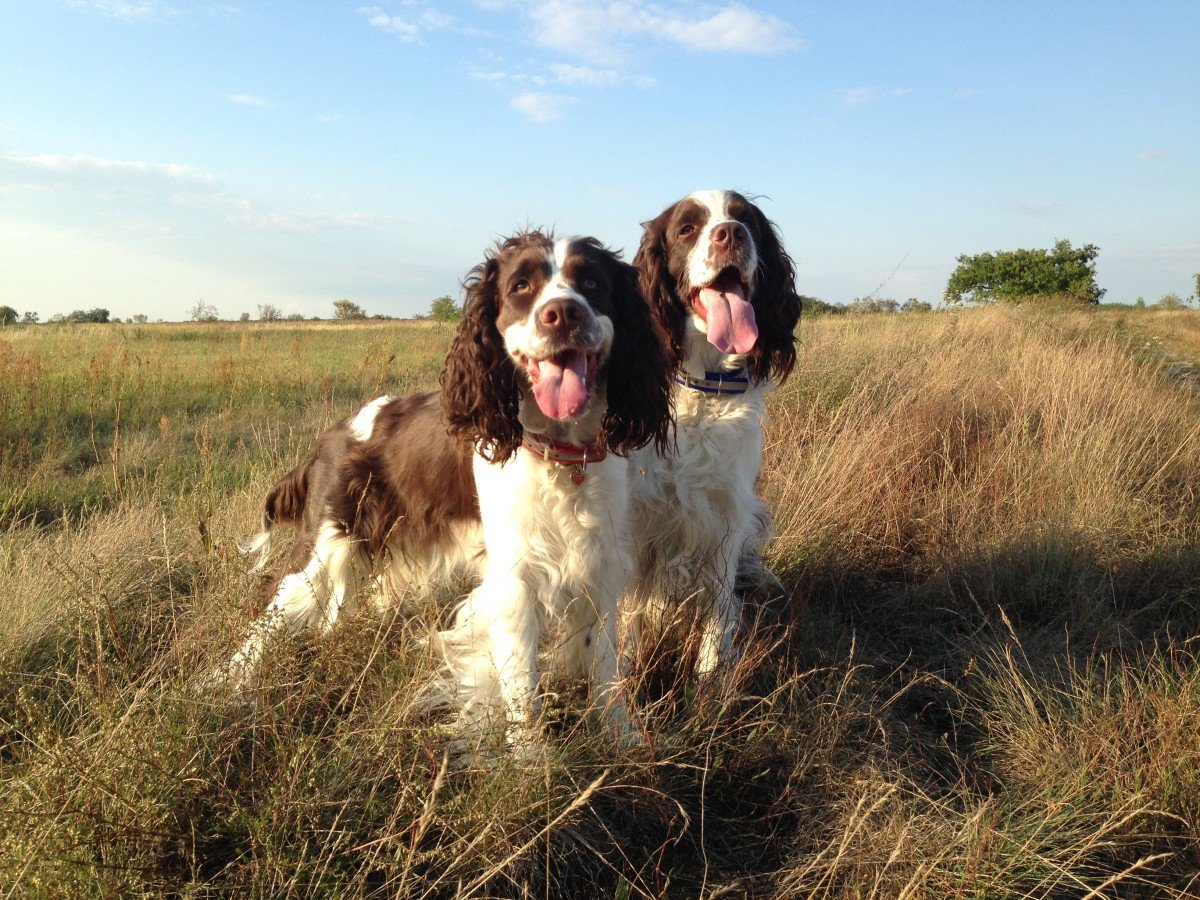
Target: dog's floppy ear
(479,383)
(639,373)
(658,285)
(776,306)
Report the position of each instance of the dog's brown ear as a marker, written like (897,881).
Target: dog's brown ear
(639,373)
(776,306)
(658,285)
(480,397)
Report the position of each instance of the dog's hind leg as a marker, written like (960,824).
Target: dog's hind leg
(311,599)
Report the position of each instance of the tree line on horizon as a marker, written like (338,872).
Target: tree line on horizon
(1063,273)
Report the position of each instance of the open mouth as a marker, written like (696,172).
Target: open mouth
(724,306)
(563,382)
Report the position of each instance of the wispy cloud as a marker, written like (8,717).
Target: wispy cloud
(601,32)
(249,100)
(1154,154)
(408,29)
(585,75)
(857,96)
(127,10)
(160,186)
(538,106)
(565,74)
(83,168)
(1034,208)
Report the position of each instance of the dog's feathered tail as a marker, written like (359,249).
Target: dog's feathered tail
(285,503)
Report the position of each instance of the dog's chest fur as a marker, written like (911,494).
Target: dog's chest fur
(701,497)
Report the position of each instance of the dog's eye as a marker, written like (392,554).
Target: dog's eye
(521,286)
(686,229)
(589,284)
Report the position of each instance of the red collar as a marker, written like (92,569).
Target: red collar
(562,453)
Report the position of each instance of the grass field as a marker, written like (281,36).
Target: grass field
(983,682)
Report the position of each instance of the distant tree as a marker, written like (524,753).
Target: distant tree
(873,305)
(1140,303)
(912,304)
(8,315)
(1196,296)
(203,312)
(244,317)
(1171,301)
(296,317)
(347,311)
(1018,275)
(30,318)
(58,319)
(139,319)
(96,315)
(444,309)
(817,306)
(269,313)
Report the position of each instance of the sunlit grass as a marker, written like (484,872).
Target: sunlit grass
(982,683)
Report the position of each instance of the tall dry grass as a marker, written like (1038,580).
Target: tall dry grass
(980,684)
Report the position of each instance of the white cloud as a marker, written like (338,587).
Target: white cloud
(307,222)
(541,107)
(600,31)
(81,168)
(585,75)
(249,100)
(1154,154)
(127,10)
(409,30)
(856,96)
(734,29)
(563,73)
(1037,209)
(157,188)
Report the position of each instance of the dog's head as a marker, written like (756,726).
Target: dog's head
(559,324)
(712,266)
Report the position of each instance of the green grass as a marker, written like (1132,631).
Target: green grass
(982,682)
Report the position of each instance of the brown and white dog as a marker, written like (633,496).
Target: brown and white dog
(723,290)
(516,469)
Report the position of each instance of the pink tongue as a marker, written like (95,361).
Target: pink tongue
(561,391)
(730,318)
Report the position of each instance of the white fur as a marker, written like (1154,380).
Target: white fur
(524,338)
(260,546)
(696,512)
(701,268)
(557,563)
(362,426)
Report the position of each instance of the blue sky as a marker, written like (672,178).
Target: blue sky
(154,153)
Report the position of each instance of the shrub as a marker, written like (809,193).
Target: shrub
(1019,275)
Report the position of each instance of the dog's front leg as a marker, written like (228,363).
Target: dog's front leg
(514,625)
(722,615)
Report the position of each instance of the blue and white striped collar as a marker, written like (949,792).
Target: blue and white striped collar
(719,383)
